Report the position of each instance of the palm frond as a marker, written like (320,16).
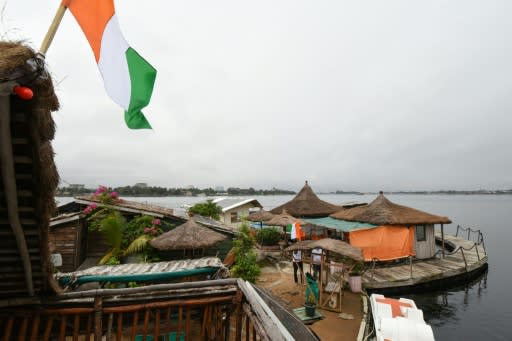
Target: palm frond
(138,244)
(112,227)
(107,256)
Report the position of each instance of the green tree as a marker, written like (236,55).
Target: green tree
(245,259)
(123,238)
(207,209)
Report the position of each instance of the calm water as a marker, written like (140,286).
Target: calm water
(481,310)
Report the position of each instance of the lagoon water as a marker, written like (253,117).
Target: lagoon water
(481,310)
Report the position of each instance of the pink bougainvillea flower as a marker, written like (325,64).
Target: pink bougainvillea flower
(114,195)
(100,190)
(156,222)
(147,229)
(93,206)
(87,210)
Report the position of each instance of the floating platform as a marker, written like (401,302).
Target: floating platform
(468,259)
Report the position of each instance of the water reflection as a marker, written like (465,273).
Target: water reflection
(442,307)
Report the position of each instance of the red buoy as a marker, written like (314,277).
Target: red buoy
(23,92)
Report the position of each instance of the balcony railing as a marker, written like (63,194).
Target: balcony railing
(228,309)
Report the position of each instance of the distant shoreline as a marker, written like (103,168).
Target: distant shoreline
(483,192)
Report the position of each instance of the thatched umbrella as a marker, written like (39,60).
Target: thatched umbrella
(307,204)
(283,219)
(332,245)
(260,215)
(190,235)
(27,273)
(381,211)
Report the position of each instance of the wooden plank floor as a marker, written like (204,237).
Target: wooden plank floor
(431,269)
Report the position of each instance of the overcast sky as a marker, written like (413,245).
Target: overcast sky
(350,95)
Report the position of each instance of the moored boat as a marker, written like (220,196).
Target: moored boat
(399,320)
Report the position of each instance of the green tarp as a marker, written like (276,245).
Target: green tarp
(340,225)
(144,277)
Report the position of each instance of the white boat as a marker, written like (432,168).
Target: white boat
(399,320)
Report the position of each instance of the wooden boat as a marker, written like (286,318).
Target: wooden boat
(398,320)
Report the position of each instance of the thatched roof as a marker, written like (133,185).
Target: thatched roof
(190,235)
(260,215)
(381,211)
(282,219)
(31,130)
(307,204)
(332,245)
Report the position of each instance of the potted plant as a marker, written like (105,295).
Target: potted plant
(354,277)
(310,304)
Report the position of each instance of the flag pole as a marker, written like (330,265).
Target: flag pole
(52,30)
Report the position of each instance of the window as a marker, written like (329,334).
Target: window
(420,233)
(234,217)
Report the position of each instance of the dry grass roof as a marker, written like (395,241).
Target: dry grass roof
(282,219)
(260,215)
(307,204)
(381,211)
(190,235)
(32,129)
(329,244)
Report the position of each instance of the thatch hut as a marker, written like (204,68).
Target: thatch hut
(307,204)
(400,230)
(283,219)
(188,236)
(260,216)
(29,175)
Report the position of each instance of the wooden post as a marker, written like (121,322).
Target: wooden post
(52,29)
(239,314)
(98,306)
(442,240)
(410,264)
(464,257)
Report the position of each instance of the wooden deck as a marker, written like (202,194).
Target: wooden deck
(466,257)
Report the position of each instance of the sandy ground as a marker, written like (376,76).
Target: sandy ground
(278,278)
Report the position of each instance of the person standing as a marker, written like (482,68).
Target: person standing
(316,260)
(297,264)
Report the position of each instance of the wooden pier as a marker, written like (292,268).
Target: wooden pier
(465,258)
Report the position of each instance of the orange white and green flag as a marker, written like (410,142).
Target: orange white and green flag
(127,77)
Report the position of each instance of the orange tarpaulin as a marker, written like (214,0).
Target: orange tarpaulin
(384,242)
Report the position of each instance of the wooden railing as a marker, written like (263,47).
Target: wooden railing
(470,232)
(439,253)
(210,310)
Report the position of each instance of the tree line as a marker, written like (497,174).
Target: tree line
(155,191)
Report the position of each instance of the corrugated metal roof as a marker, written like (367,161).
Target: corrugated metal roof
(140,269)
(230,203)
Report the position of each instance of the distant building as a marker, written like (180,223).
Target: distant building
(76,186)
(234,209)
(141,185)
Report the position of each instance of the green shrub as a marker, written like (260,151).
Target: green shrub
(207,209)
(268,236)
(245,259)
